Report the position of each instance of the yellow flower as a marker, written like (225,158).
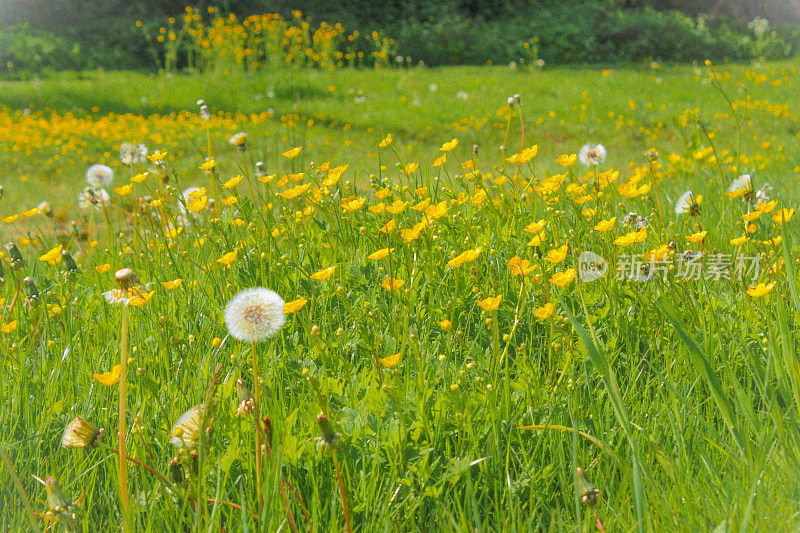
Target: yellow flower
(334,175)
(491,303)
(10,219)
(388,227)
(753,215)
(562,279)
(386,141)
(52,256)
(696,237)
(392,284)
(141,298)
(738,241)
(124,190)
(446,325)
(30,212)
(157,156)
(556,255)
(353,205)
(766,207)
(410,168)
(449,145)
(291,154)
(391,360)
(139,178)
(8,328)
(197,204)
(760,289)
(324,274)
(439,161)
(398,206)
(544,312)
(412,234)
(294,192)
(102,268)
(380,254)
(605,225)
(229,201)
(537,240)
(208,164)
(464,257)
(228,258)
(437,211)
(784,215)
(294,305)
(520,267)
(632,237)
(174,284)
(233,182)
(567,160)
(109,378)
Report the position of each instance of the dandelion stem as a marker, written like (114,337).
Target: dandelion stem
(256,410)
(123,390)
(342,491)
(26,502)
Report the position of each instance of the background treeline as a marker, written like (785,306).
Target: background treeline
(37,35)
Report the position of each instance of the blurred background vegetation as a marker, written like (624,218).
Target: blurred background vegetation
(41,35)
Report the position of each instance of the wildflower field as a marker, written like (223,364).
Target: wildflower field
(404,299)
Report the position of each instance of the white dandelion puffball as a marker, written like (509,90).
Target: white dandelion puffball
(742,183)
(684,203)
(592,154)
(255,315)
(99,176)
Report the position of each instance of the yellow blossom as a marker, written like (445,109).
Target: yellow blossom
(449,145)
(544,312)
(292,153)
(567,160)
(233,182)
(228,258)
(386,141)
(324,274)
(294,305)
(490,303)
(380,254)
(391,360)
(392,284)
(760,289)
(464,257)
(111,377)
(562,279)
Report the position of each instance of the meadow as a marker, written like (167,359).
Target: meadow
(441,351)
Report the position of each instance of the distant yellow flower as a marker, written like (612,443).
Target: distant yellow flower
(294,305)
(291,154)
(141,298)
(760,289)
(174,284)
(446,325)
(334,175)
(157,156)
(52,256)
(208,164)
(380,254)
(139,178)
(410,168)
(8,328)
(536,227)
(111,377)
(386,141)
(632,237)
(449,145)
(753,215)
(124,190)
(377,209)
(738,241)
(233,182)
(391,360)
(544,312)
(464,257)
(102,268)
(392,284)
(324,274)
(697,237)
(228,258)
(605,225)
(398,206)
(490,303)
(439,161)
(30,212)
(411,234)
(10,219)
(294,192)
(567,160)
(562,279)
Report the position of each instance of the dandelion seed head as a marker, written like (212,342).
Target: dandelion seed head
(592,154)
(99,176)
(255,315)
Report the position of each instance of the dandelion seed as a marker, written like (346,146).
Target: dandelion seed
(79,433)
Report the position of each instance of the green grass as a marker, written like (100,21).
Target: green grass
(679,398)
